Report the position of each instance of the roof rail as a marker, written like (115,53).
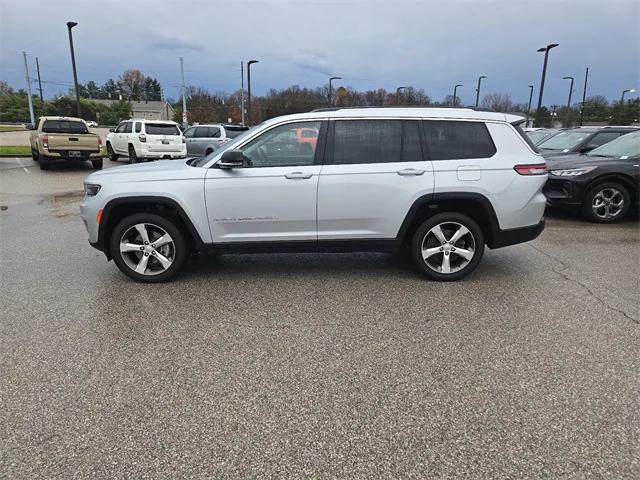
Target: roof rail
(335,109)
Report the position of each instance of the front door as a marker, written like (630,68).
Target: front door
(273,198)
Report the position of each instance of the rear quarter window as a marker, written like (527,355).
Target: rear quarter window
(524,136)
(452,140)
(162,129)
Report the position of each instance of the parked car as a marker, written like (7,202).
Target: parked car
(64,138)
(204,139)
(442,182)
(307,135)
(145,140)
(91,124)
(539,135)
(602,185)
(580,140)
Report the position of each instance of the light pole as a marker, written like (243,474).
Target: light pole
(455,93)
(566,120)
(398,94)
(630,90)
(529,107)
(70,25)
(249,63)
(584,95)
(331,79)
(478,90)
(544,74)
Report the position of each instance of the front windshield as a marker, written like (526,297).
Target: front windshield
(625,146)
(227,146)
(537,135)
(564,140)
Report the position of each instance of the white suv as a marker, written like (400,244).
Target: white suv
(443,182)
(145,140)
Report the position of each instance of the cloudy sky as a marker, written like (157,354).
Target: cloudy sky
(370,43)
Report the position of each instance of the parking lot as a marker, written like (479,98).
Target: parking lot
(341,366)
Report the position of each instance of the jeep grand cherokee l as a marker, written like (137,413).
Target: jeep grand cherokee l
(444,182)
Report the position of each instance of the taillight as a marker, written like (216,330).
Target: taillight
(45,141)
(532,169)
(142,137)
(99,142)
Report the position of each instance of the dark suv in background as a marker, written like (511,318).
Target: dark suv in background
(580,140)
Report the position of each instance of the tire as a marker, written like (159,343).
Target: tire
(607,202)
(44,161)
(111,154)
(133,158)
(96,163)
(150,270)
(429,252)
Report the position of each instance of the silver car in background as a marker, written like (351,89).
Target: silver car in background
(204,139)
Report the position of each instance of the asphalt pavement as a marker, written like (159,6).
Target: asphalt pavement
(317,365)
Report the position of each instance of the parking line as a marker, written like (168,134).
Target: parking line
(23,167)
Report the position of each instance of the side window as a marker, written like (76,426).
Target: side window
(602,138)
(120,128)
(214,132)
(451,140)
(138,127)
(376,141)
(127,127)
(280,147)
(189,132)
(201,132)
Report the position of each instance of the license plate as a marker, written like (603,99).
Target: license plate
(165,142)
(74,153)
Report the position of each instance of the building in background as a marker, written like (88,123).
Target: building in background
(151,110)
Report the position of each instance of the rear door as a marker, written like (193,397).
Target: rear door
(189,138)
(374,170)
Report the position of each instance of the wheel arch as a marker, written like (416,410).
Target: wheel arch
(117,209)
(474,205)
(621,178)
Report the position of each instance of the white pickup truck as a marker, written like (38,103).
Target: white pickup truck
(65,138)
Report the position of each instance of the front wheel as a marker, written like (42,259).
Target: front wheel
(148,248)
(606,203)
(447,246)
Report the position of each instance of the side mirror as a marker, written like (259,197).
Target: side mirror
(232,159)
(588,147)
(112,130)
(29,126)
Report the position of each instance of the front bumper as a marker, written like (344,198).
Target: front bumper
(564,192)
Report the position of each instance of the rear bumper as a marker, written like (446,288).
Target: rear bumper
(64,155)
(513,236)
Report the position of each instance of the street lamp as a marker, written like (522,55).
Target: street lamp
(478,89)
(398,94)
(331,79)
(544,74)
(455,93)
(566,120)
(529,107)
(584,95)
(630,90)
(70,25)
(249,63)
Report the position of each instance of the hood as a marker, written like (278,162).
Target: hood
(554,153)
(574,161)
(139,172)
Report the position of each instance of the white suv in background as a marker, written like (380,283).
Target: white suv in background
(145,140)
(442,182)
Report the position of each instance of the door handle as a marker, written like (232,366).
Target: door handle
(409,171)
(298,175)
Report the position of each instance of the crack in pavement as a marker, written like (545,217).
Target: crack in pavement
(563,274)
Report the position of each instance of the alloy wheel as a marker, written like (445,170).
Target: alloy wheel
(608,203)
(147,249)
(448,247)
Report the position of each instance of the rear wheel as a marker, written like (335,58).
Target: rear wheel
(44,162)
(133,158)
(96,163)
(111,154)
(606,203)
(447,246)
(34,155)
(148,248)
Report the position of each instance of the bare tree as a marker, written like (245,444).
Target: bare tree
(497,102)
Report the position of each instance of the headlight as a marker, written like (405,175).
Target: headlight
(572,172)
(91,189)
